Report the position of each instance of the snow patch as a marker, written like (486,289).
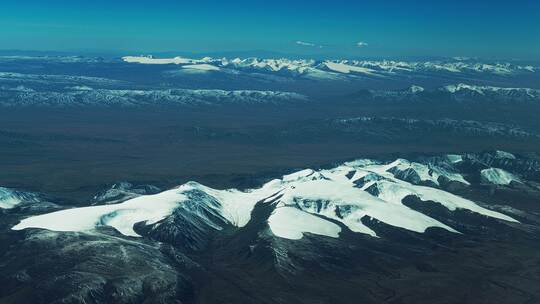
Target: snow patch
(454,158)
(347,69)
(291,223)
(201,67)
(498,176)
(152,60)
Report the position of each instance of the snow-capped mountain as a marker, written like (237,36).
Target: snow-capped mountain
(307,201)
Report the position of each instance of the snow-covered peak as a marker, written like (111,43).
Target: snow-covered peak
(498,176)
(10,198)
(303,175)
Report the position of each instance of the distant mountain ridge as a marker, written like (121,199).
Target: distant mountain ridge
(25,92)
(313,68)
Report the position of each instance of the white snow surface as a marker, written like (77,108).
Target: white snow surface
(307,201)
(201,67)
(291,223)
(347,69)
(149,208)
(152,60)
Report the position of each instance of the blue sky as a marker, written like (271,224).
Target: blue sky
(502,29)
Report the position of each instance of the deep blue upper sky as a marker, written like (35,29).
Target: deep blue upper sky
(502,29)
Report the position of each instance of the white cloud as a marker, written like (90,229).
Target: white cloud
(303,43)
(362,44)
